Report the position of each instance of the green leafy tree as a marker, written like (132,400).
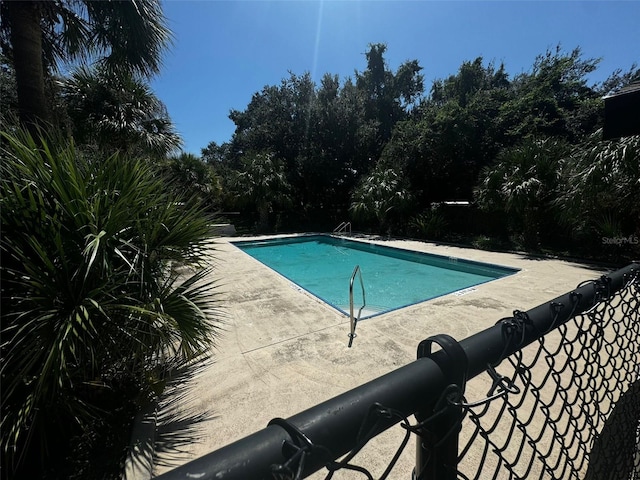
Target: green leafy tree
(333,137)
(443,145)
(217,155)
(554,99)
(39,35)
(277,119)
(8,94)
(619,79)
(472,78)
(320,135)
(94,308)
(387,95)
(337,152)
(328,136)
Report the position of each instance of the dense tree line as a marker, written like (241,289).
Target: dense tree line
(380,151)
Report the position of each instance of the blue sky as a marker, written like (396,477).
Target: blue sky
(225,51)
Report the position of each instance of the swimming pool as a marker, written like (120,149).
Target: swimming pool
(393,278)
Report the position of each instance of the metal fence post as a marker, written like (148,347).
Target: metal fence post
(439,423)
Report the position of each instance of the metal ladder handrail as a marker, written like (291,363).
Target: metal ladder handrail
(342,228)
(352,320)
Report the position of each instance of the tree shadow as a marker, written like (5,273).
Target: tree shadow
(165,430)
(179,423)
(587,264)
(175,432)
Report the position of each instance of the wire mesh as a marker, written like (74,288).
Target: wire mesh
(565,407)
(577,412)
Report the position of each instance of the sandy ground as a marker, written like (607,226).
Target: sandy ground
(281,350)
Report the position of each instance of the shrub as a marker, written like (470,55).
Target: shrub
(94,312)
(431,224)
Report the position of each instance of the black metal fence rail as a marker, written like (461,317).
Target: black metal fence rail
(562,401)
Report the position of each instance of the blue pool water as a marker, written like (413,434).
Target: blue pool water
(393,278)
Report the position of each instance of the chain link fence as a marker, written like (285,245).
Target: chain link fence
(571,407)
(551,393)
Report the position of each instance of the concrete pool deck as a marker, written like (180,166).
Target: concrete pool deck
(281,350)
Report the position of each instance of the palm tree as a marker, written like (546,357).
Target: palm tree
(117,112)
(523,183)
(188,172)
(602,196)
(261,183)
(382,196)
(127,35)
(97,299)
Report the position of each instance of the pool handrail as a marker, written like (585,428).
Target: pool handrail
(353,321)
(344,227)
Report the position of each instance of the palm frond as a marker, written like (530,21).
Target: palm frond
(91,300)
